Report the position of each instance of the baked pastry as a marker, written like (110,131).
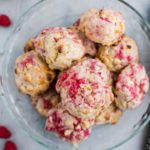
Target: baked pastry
(32,75)
(119,55)
(90,48)
(59,47)
(45,102)
(29,45)
(131,87)
(103,26)
(85,88)
(66,126)
(109,115)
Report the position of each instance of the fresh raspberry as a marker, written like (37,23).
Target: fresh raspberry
(5,21)
(10,145)
(4,132)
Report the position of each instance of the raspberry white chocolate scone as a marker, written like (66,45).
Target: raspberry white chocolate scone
(102,26)
(32,75)
(90,48)
(131,87)
(45,102)
(59,47)
(108,115)
(66,126)
(85,89)
(119,55)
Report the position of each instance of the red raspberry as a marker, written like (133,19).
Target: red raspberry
(10,145)
(4,132)
(5,21)
(47,104)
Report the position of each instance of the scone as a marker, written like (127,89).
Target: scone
(85,89)
(102,26)
(90,48)
(66,126)
(131,87)
(119,55)
(32,75)
(45,102)
(59,47)
(109,115)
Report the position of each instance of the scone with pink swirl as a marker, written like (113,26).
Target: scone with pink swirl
(45,102)
(32,75)
(119,55)
(59,46)
(109,115)
(102,26)
(131,86)
(66,126)
(90,48)
(85,89)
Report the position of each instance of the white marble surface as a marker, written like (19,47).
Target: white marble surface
(14,8)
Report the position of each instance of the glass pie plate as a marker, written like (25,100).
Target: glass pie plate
(63,13)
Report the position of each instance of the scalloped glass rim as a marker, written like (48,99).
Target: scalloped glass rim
(23,124)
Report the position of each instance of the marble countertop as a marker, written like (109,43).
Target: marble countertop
(14,8)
